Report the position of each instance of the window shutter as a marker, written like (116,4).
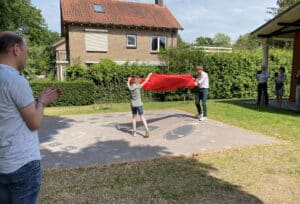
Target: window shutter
(96,40)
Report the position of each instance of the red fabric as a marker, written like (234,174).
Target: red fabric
(168,82)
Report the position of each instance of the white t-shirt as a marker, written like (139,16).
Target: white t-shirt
(18,144)
(202,80)
(263,77)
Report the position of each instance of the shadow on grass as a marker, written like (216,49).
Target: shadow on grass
(250,104)
(164,180)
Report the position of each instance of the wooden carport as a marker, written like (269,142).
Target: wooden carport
(283,26)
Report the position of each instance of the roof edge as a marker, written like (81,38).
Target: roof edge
(273,19)
(121,25)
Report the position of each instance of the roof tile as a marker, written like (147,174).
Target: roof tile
(118,12)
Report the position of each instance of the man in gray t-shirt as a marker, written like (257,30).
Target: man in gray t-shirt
(136,102)
(20,118)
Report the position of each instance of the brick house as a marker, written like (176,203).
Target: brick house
(115,29)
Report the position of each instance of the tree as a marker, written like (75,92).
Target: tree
(25,19)
(204,41)
(282,5)
(221,40)
(181,43)
(247,42)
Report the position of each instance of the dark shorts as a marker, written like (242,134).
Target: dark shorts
(136,110)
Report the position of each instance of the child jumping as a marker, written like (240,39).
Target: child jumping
(136,102)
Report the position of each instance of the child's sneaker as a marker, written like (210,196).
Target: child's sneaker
(147,134)
(134,133)
(203,118)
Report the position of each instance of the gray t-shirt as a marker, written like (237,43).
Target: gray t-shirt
(135,99)
(18,144)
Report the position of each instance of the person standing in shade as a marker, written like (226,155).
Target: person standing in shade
(262,78)
(279,85)
(20,118)
(202,83)
(136,102)
(298,92)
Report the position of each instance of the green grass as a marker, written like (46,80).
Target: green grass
(259,174)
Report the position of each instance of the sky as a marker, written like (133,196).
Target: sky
(198,17)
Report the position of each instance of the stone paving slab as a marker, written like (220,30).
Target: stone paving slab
(81,140)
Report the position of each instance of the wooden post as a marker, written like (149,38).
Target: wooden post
(295,66)
(265,48)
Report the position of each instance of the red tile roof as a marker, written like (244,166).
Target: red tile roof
(118,13)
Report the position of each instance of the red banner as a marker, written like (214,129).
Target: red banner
(168,82)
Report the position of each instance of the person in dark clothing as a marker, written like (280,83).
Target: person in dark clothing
(262,78)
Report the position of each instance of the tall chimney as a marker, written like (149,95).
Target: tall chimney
(159,2)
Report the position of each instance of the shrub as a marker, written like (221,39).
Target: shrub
(75,93)
(111,79)
(231,75)
(75,72)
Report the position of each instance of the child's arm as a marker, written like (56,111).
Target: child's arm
(147,79)
(128,82)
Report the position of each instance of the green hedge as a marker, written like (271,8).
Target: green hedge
(75,93)
(231,75)
(111,79)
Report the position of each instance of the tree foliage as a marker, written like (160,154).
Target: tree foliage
(282,5)
(27,20)
(204,41)
(181,43)
(247,42)
(219,40)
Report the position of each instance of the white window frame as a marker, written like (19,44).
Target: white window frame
(158,42)
(135,41)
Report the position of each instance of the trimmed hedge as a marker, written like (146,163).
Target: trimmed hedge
(111,79)
(75,93)
(231,75)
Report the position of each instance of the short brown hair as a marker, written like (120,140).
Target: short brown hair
(199,67)
(9,39)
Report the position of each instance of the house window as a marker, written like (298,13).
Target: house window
(131,41)
(96,40)
(98,8)
(158,43)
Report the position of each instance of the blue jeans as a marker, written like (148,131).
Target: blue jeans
(21,186)
(201,94)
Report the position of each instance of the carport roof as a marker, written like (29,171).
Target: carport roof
(283,25)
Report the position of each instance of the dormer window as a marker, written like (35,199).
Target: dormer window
(98,8)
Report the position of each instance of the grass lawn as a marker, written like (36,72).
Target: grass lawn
(259,174)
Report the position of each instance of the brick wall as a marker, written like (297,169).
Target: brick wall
(117,50)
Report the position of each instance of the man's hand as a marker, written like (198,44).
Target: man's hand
(49,95)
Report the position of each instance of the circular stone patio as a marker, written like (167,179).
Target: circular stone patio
(81,140)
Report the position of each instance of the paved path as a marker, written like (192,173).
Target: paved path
(81,140)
